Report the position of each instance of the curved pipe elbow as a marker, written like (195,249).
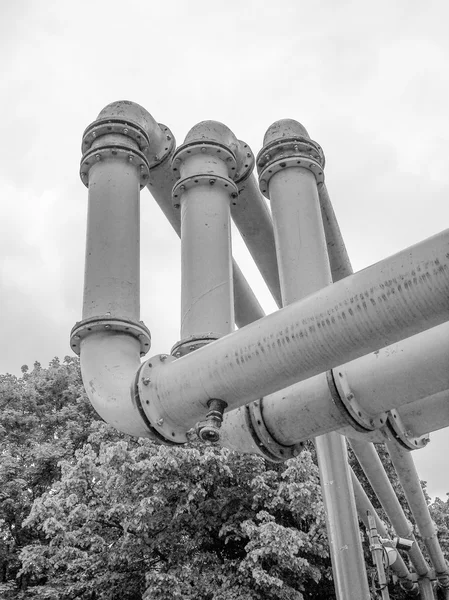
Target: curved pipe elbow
(109,363)
(159,138)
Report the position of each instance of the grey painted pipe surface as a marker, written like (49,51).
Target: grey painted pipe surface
(412,370)
(374,470)
(253,219)
(364,505)
(405,468)
(304,268)
(246,306)
(391,300)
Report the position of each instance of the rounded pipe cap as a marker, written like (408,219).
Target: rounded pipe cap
(212,131)
(127,110)
(284,128)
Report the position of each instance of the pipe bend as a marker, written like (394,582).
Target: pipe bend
(109,363)
(212,131)
(284,128)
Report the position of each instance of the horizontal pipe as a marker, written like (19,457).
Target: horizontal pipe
(426,415)
(405,468)
(374,470)
(162,179)
(391,300)
(253,219)
(411,370)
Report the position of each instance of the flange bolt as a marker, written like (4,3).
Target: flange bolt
(209,429)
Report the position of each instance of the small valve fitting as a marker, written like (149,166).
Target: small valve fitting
(209,429)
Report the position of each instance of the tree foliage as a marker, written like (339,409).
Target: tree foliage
(87,512)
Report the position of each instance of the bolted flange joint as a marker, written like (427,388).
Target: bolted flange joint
(205,173)
(405,438)
(87,327)
(290,151)
(345,400)
(209,429)
(245,163)
(112,137)
(267,444)
(192,343)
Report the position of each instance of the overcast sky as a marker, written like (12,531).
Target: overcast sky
(369,80)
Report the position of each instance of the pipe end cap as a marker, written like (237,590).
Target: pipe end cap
(284,128)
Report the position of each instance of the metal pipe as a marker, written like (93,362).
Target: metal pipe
(364,505)
(304,268)
(374,470)
(405,468)
(206,271)
(411,370)
(253,219)
(377,553)
(426,415)
(118,150)
(161,182)
(338,256)
(205,162)
(391,300)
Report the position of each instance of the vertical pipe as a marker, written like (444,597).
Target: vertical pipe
(377,554)
(364,506)
(374,470)
(206,272)
(304,268)
(111,279)
(246,306)
(405,468)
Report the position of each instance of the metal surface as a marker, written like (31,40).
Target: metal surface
(204,192)
(363,504)
(393,299)
(304,268)
(403,463)
(253,219)
(162,180)
(377,552)
(374,470)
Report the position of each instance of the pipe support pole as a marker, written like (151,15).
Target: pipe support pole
(363,504)
(304,268)
(405,468)
(374,470)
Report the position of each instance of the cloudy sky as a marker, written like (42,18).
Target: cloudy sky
(369,80)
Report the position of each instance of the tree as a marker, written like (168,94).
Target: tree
(195,523)
(44,417)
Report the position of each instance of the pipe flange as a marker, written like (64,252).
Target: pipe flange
(245,163)
(289,152)
(214,148)
(280,165)
(192,343)
(136,133)
(163,153)
(346,401)
(269,447)
(96,324)
(208,180)
(154,434)
(125,153)
(149,401)
(115,126)
(402,434)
